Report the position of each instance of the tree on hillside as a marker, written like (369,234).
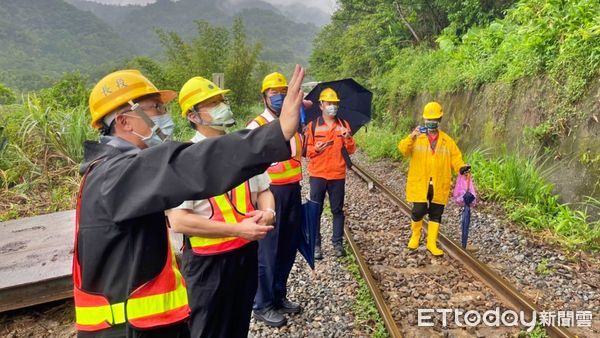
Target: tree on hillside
(213,50)
(365,34)
(241,61)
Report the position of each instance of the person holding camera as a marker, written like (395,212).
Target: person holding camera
(433,155)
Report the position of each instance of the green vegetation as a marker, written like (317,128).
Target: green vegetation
(538,332)
(41,139)
(6,95)
(285,40)
(214,49)
(380,140)
(401,49)
(365,310)
(39,162)
(42,39)
(559,40)
(517,183)
(521,187)
(542,267)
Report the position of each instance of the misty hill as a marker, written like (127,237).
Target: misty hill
(283,40)
(41,39)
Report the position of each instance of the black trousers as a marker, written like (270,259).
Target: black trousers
(221,291)
(435,211)
(277,251)
(336,190)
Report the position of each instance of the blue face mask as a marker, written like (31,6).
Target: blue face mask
(277,102)
(166,125)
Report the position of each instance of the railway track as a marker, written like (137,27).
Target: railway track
(500,287)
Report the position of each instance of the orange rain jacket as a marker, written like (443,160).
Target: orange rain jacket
(328,164)
(426,165)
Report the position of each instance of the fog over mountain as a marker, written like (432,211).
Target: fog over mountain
(324,5)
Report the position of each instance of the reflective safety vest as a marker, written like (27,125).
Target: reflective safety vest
(159,302)
(289,171)
(229,210)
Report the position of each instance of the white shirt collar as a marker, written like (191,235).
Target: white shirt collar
(198,137)
(267,115)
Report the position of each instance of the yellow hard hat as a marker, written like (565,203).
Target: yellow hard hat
(432,111)
(196,90)
(329,95)
(274,80)
(118,88)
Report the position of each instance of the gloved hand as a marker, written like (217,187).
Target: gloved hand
(465,169)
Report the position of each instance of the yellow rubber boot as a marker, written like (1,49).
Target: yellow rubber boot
(415,237)
(432,234)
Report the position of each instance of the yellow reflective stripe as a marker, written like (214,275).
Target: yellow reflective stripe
(228,215)
(151,305)
(225,208)
(240,198)
(201,241)
(261,120)
(94,315)
(286,174)
(118,311)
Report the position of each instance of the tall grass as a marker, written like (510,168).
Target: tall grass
(521,186)
(40,157)
(380,140)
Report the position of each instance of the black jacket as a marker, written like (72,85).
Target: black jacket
(122,237)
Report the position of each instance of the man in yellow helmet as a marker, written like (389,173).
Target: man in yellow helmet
(328,144)
(220,256)
(126,280)
(433,155)
(277,251)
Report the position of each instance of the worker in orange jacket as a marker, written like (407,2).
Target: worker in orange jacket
(433,155)
(328,142)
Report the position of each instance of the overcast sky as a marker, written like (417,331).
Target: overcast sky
(326,5)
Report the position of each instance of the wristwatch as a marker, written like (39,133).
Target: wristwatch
(272,211)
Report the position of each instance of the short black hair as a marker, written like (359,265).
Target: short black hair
(108,130)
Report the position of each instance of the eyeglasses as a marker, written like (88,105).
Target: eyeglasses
(159,107)
(212,103)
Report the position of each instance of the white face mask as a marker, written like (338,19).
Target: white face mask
(221,117)
(331,110)
(162,122)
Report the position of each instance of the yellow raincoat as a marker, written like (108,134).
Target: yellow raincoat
(426,165)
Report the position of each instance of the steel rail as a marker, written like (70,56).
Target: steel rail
(384,310)
(503,289)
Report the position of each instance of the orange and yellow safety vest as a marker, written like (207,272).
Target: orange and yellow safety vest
(289,171)
(159,302)
(229,210)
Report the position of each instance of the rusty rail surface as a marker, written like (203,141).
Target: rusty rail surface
(384,310)
(499,285)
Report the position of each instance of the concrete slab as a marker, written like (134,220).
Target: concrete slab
(36,255)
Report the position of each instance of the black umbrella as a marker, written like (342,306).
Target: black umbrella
(466,218)
(355,102)
(311,211)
